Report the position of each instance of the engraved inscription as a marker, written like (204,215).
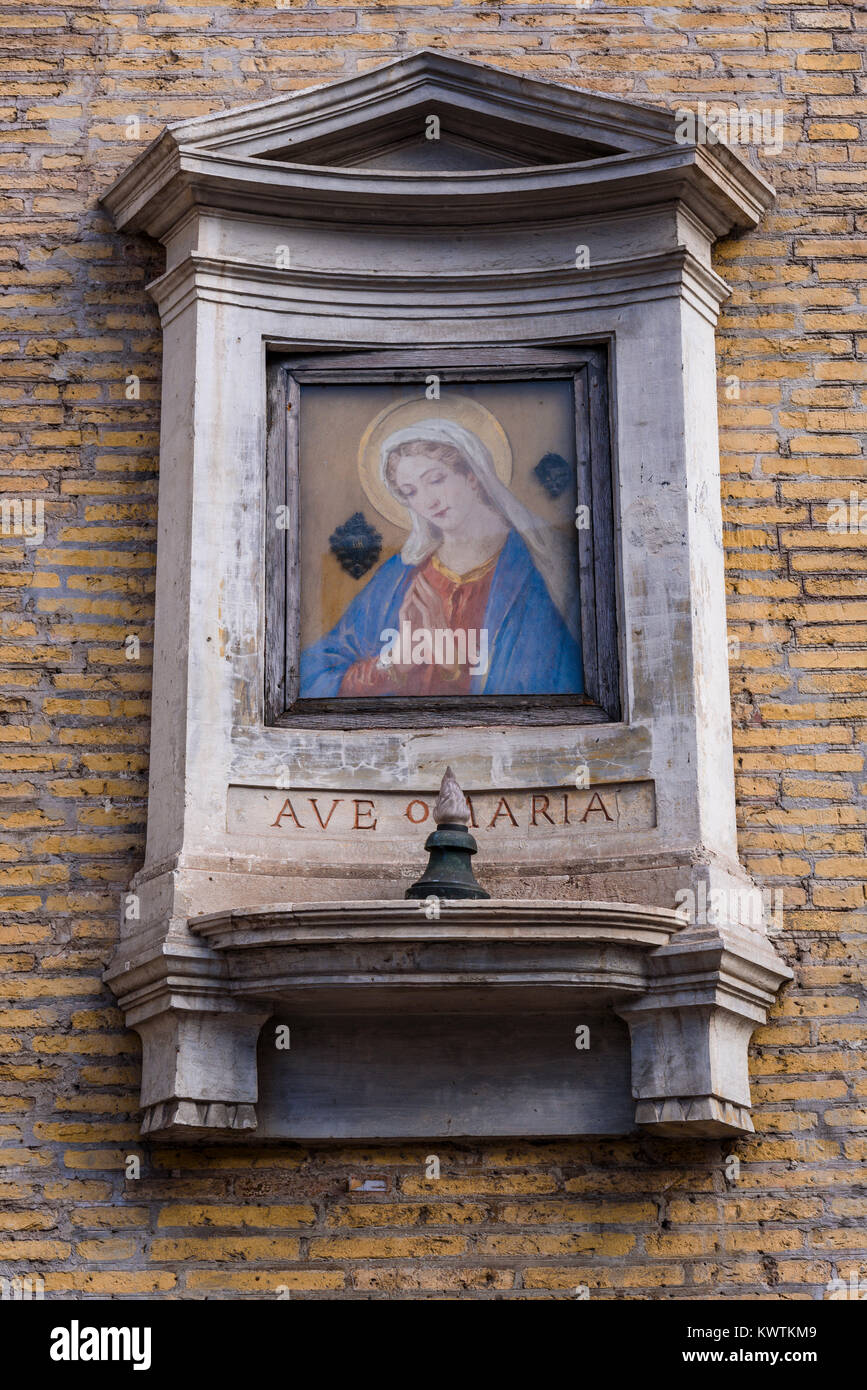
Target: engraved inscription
(307,814)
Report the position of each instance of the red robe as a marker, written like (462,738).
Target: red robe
(464,600)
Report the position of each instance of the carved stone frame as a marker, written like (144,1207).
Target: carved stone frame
(587,368)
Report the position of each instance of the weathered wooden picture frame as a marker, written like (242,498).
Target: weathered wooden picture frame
(586,370)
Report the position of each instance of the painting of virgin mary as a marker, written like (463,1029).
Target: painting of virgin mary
(476,561)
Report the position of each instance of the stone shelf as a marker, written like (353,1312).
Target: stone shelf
(457,1025)
(512,954)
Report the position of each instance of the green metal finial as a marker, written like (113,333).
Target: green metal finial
(449,873)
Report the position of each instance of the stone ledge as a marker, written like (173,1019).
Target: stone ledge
(358,983)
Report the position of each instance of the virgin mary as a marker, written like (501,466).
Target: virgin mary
(476,561)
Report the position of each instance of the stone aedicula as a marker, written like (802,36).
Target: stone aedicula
(370,264)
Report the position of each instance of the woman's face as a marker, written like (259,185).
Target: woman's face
(440,494)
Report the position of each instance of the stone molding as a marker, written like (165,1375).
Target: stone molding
(557,289)
(182,1116)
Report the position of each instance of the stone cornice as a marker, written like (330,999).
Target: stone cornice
(303,157)
(165,183)
(401,920)
(482,293)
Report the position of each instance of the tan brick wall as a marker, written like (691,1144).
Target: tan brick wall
(645,1219)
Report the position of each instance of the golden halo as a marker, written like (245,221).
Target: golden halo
(461,410)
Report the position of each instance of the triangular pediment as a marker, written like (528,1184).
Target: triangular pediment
(411,140)
(395,117)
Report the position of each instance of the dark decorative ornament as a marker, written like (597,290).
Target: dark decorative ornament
(356,545)
(449,873)
(554,474)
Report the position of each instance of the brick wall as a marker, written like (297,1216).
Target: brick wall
(645,1219)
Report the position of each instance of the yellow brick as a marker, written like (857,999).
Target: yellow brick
(561,1213)
(854,1117)
(282,1216)
(585,1243)
(403,1278)
(111,1217)
(109,1282)
(479,1185)
(366,1214)
(778,1091)
(264,1281)
(849,1206)
(26,1220)
(227,1247)
(847,1238)
(385,1247)
(98,1159)
(671,1243)
(34,1250)
(765,1241)
(108,1249)
(634,1181)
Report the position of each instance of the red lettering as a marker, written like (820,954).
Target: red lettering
(542,810)
(334,805)
(286,810)
(600,807)
(566,820)
(503,809)
(358,802)
(417,820)
(473,822)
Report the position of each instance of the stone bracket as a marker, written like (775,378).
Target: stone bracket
(199,1069)
(709,989)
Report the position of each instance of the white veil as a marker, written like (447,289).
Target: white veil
(549,549)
